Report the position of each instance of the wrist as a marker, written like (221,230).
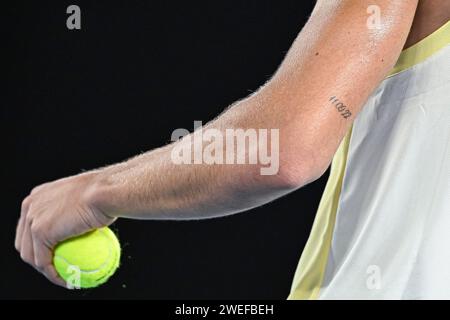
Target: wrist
(101,194)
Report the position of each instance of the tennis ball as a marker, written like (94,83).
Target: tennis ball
(88,260)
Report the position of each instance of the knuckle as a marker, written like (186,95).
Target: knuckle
(42,233)
(35,189)
(24,257)
(26,203)
(40,265)
(29,218)
(38,188)
(38,230)
(35,228)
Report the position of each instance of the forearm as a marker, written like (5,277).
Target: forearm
(325,79)
(154,186)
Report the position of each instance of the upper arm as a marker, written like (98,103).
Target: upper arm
(340,56)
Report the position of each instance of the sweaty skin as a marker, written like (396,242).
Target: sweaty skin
(335,55)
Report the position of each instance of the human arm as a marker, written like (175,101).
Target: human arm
(335,55)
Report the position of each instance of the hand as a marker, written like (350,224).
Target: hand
(54,212)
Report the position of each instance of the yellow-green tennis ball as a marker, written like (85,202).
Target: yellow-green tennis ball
(88,260)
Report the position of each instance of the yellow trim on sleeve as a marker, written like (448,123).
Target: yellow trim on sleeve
(311,268)
(423,49)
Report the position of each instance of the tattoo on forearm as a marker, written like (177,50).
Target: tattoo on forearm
(342,108)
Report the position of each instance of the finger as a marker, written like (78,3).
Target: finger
(50,273)
(42,253)
(26,246)
(20,225)
(43,258)
(19,233)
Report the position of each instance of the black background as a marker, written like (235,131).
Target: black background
(137,70)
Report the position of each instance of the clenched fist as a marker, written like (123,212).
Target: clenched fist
(53,212)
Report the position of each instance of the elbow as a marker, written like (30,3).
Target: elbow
(300,171)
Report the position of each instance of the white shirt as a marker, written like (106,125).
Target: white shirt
(382,230)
